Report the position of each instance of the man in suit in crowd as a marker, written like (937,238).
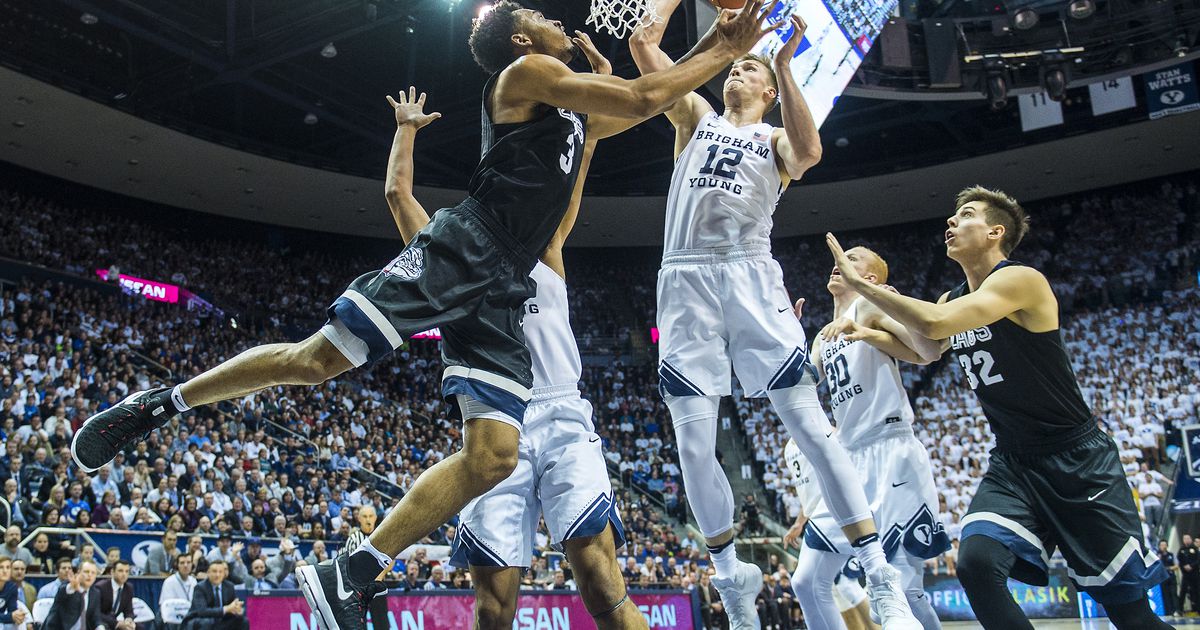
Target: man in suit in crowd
(77,605)
(712,611)
(161,556)
(258,577)
(116,598)
(26,593)
(214,604)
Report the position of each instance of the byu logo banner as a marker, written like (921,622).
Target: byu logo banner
(1171,91)
(1191,446)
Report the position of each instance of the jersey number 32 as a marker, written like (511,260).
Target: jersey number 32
(983,359)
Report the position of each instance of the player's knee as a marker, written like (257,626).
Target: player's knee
(976,565)
(491,464)
(493,614)
(695,453)
(313,361)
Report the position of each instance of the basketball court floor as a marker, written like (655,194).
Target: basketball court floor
(1073,624)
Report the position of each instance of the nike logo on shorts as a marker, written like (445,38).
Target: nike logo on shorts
(595,439)
(342,592)
(783,310)
(897,485)
(1094,496)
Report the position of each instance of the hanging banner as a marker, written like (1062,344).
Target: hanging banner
(1111,96)
(1038,111)
(1191,449)
(1171,91)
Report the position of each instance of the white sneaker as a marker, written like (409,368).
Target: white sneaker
(738,594)
(889,606)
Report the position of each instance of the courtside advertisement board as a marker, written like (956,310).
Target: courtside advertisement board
(452,611)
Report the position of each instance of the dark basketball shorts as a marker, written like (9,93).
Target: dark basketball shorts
(464,275)
(1075,499)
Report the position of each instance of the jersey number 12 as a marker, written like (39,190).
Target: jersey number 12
(724,166)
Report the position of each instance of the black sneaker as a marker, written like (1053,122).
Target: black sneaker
(105,434)
(337,601)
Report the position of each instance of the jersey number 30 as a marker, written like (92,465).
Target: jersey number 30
(983,359)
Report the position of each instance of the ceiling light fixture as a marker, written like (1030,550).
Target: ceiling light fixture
(329,51)
(1081,9)
(1025,19)
(88,18)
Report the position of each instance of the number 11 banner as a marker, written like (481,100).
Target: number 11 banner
(1038,111)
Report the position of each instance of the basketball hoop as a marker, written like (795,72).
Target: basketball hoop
(621,17)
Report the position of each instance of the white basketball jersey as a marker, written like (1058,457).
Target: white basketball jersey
(865,390)
(804,476)
(548,335)
(724,187)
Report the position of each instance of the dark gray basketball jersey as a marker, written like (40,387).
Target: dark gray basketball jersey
(1024,380)
(527,172)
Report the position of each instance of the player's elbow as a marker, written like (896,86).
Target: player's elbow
(803,161)
(934,327)
(645,104)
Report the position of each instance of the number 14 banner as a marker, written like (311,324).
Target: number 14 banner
(1111,96)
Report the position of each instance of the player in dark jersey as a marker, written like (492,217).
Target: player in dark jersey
(1054,479)
(466,272)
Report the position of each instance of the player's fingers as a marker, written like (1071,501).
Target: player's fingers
(421,100)
(412,93)
(392,101)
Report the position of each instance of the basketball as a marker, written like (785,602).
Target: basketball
(728,4)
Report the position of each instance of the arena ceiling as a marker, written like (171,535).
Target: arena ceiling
(50,130)
(255,83)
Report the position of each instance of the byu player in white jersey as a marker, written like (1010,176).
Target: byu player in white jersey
(721,300)
(857,353)
(848,596)
(561,473)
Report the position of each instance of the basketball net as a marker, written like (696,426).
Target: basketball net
(621,17)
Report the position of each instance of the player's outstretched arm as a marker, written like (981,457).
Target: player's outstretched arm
(1005,292)
(874,336)
(544,79)
(799,146)
(645,45)
(408,213)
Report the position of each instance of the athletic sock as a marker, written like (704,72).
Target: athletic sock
(177,399)
(724,558)
(366,562)
(870,553)
(923,610)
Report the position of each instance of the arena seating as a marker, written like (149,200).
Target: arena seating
(304,454)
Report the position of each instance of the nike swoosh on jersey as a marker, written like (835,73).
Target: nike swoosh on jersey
(342,593)
(1095,496)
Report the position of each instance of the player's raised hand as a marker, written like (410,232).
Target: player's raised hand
(600,64)
(410,109)
(785,54)
(845,267)
(740,30)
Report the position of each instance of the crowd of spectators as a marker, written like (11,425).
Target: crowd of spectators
(293,464)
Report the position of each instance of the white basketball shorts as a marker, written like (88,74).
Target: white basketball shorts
(719,308)
(561,476)
(897,478)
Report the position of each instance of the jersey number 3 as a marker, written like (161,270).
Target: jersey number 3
(984,360)
(566,161)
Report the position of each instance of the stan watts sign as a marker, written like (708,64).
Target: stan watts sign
(454,611)
(149,289)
